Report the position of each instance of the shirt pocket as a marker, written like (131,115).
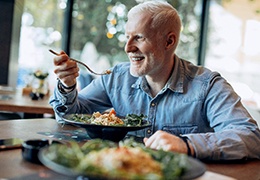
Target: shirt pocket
(178,130)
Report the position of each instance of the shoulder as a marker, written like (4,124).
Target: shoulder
(202,78)
(192,71)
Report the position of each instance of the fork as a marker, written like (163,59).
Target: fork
(106,72)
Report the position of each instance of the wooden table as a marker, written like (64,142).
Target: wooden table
(14,167)
(11,161)
(16,102)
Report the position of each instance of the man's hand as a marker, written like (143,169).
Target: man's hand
(167,142)
(66,70)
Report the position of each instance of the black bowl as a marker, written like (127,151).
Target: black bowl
(31,148)
(112,133)
(106,133)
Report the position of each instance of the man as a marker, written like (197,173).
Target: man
(192,110)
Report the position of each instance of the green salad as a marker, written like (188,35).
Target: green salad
(110,119)
(127,159)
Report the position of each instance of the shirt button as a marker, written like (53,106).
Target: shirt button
(61,109)
(149,131)
(153,104)
(63,100)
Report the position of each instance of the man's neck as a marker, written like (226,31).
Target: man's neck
(158,81)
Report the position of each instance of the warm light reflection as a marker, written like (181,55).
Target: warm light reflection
(109,35)
(44,175)
(80,17)
(113,21)
(93,29)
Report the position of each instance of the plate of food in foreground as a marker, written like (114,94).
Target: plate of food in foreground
(104,159)
(108,126)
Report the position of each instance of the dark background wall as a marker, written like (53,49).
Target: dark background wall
(6,19)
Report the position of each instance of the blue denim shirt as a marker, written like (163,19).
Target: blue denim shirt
(195,102)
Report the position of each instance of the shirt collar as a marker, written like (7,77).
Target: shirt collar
(176,80)
(138,82)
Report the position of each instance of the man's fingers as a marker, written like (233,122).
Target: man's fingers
(58,60)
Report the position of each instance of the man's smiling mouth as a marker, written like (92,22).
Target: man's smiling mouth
(136,57)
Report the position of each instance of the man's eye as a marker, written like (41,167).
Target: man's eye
(139,37)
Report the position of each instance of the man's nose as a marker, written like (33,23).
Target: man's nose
(130,46)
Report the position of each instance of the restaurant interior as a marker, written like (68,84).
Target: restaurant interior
(221,35)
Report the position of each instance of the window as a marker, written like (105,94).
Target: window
(98,38)
(97,33)
(101,23)
(97,29)
(41,29)
(232,49)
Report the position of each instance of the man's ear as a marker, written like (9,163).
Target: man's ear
(170,41)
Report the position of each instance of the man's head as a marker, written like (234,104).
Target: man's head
(152,30)
(164,18)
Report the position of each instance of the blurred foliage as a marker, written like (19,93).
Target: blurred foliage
(45,14)
(94,19)
(190,13)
